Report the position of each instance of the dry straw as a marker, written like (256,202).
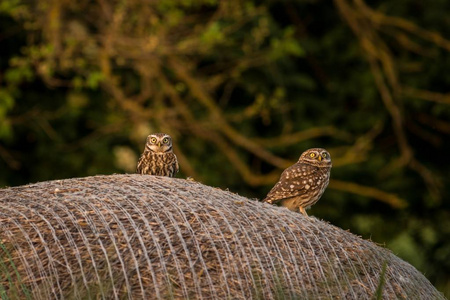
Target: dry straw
(148,237)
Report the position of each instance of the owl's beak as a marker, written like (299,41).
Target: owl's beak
(320,157)
(159,144)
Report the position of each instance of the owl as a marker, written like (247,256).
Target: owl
(158,158)
(302,184)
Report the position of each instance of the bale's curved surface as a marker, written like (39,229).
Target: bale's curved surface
(134,236)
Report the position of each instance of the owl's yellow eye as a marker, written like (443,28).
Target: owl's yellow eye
(324,155)
(312,155)
(153,140)
(165,140)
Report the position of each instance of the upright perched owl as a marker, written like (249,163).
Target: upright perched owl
(158,158)
(302,184)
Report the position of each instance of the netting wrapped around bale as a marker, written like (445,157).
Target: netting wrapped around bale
(146,237)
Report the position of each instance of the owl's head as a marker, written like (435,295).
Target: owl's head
(159,143)
(316,156)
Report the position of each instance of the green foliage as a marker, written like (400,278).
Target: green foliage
(10,7)
(288,45)
(16,289)
(379,292)
(243,87)
(6,103)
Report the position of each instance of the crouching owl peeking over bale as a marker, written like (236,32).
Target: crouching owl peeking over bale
(158,157)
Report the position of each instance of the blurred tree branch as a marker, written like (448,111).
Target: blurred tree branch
(426,95)
(217,118)
(297,137)
(366,23)
(165,66)
(370,192)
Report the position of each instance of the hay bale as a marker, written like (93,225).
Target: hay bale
(145,237)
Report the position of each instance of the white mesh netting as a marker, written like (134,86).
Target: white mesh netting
(146,237)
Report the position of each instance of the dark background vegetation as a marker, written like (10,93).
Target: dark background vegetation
(243,87)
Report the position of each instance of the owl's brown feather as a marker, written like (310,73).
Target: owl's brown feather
(292,183)
(160,164)
(302,184)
